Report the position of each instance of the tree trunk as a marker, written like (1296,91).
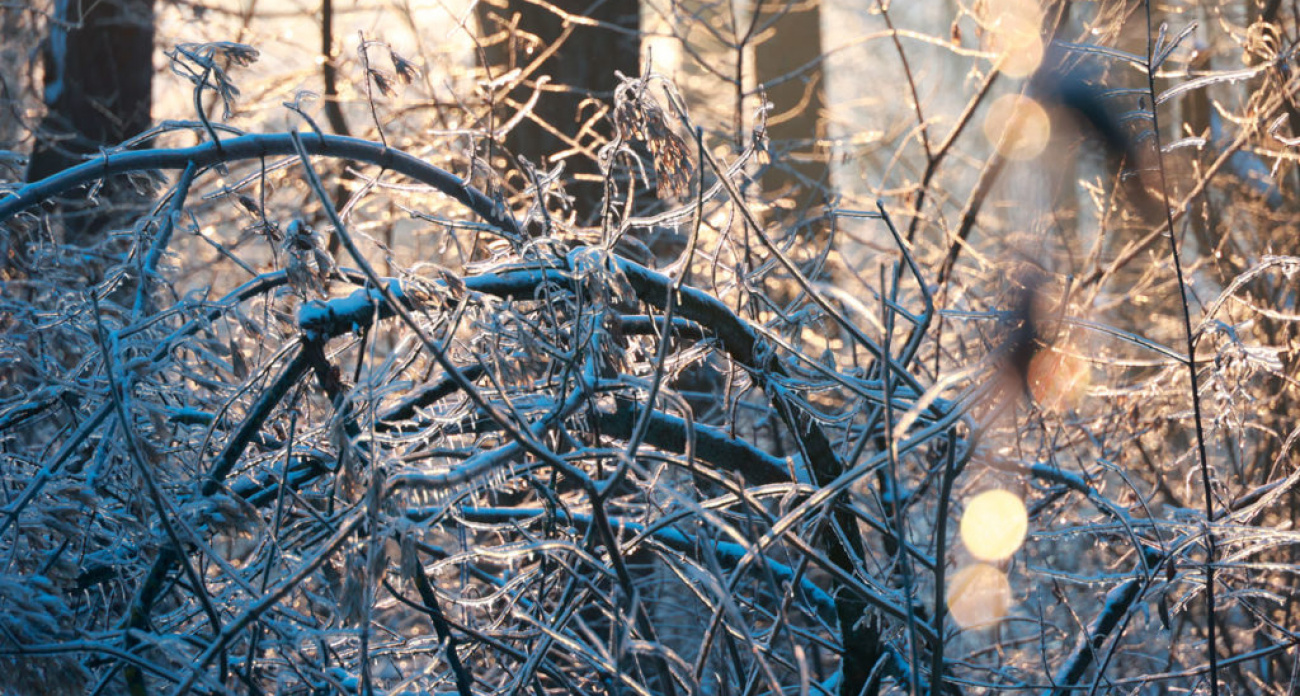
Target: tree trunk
(786,64)
(581,68)
(98,61)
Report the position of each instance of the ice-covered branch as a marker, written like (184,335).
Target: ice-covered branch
(247,147)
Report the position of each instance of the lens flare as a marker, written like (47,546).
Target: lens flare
(1018,127)
(994,525)
(978,595)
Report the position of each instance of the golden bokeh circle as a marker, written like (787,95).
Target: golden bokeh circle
(1058,380)
(994,525)
(1018,127)
(1018,45)
(1015,34)
(978,595)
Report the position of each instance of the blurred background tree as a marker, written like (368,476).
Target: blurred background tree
(558,65)
(97,59)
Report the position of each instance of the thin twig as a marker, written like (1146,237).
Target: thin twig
(1193,377)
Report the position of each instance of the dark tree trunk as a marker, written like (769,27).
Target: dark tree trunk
(581,68)
(98,61)
(797,93)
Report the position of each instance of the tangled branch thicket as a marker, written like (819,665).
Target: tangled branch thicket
(315,413)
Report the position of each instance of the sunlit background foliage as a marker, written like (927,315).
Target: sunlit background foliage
(649,347)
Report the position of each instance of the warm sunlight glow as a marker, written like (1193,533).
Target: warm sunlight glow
(1015,35)
(482,346)
(1018,127)
(994,525)
(978,595)
(1058,379)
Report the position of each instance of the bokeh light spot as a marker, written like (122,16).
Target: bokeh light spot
(994,525)
(1018,127)
(1058,380)
(1015,35)
(978,595)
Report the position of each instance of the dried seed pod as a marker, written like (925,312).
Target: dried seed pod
(639,118)
(405,69)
